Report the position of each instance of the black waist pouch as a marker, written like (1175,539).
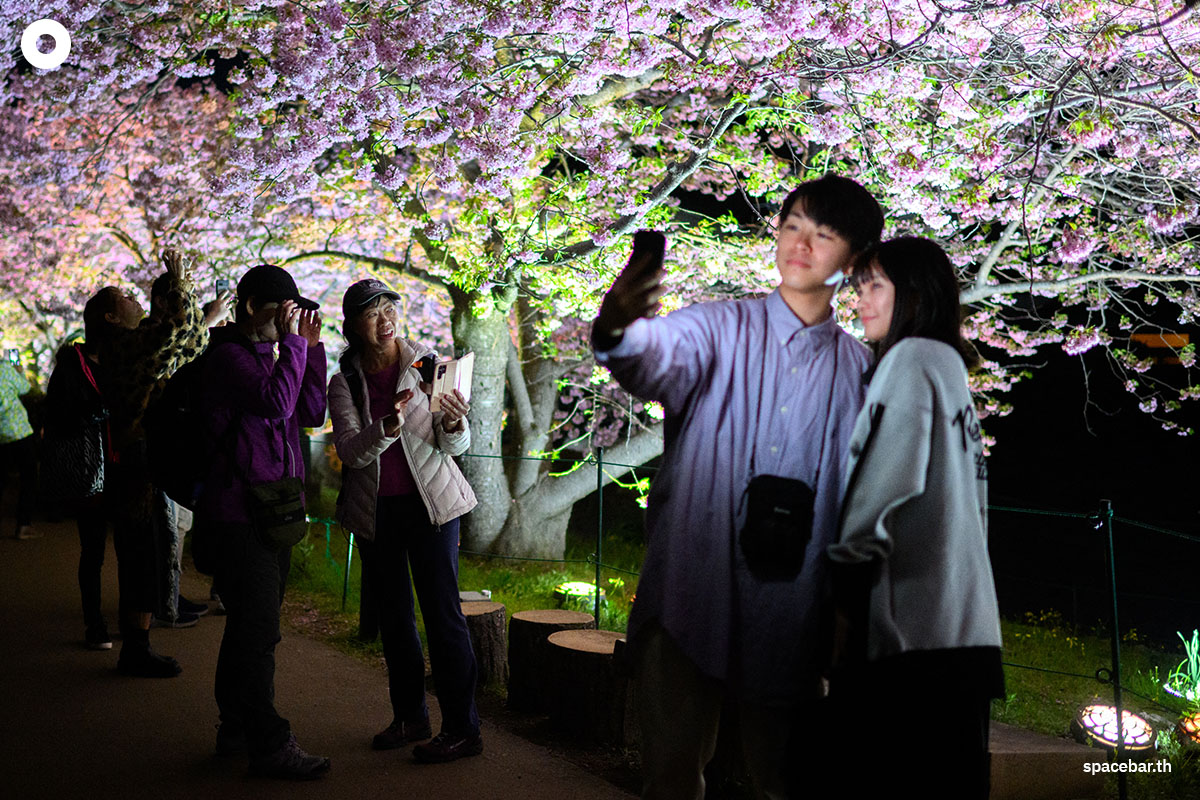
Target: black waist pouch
(778,527)
(277,512)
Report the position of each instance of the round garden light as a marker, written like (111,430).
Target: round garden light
(1189,728)
(575,591)
(1098,723)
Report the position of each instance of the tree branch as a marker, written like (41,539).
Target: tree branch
(398,266)
(612,91)
(520,392)
(977,294)
(1008,237)
(128,241)
(674,178)
(559,494)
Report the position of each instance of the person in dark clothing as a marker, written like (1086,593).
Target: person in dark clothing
(137,353)
(74,403)
(254,404)
(17,447)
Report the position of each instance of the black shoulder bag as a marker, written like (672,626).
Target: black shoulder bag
(276,507)
(779,510)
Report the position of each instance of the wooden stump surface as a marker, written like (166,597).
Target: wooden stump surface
(485,621)
(587,641)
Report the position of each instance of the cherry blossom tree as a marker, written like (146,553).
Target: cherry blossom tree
(1049,144)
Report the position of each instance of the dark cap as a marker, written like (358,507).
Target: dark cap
(362,294)
(268,283)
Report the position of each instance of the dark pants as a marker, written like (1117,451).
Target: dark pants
(252,580)
(23,454)
(92,521)
(926,716)
(403,536)
(137,538)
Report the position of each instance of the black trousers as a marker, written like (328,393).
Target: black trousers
(921,723)
(23,454)
(252,580)
(91,517)
(403,538)
(137,538)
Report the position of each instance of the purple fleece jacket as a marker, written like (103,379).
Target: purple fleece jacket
(275,397)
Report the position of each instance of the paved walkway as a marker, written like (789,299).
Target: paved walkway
(72,727)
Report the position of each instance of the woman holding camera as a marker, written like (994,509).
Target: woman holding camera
(918,630)
(402,496)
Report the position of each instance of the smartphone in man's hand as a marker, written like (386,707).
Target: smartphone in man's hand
(648,247)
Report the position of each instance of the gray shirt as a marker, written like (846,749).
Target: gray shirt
(917,504)
(732,377)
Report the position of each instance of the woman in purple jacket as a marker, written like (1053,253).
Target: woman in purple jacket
(255,403)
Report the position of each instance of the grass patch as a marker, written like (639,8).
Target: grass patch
(317,581)
(1058,677)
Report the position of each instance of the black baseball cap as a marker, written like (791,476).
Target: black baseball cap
(268,283)
(362,294)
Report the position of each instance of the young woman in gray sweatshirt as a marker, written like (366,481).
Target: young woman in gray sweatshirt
(917,629)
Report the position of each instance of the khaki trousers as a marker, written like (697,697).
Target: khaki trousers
(679,709)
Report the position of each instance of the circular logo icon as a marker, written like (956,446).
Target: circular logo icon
(62,44)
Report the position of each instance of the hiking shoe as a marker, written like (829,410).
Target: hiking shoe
(230,741)
(290,762)
(448,747)
(184,620)
(188,607)
(139,663)
(27,532)
(399,734)
(96,637)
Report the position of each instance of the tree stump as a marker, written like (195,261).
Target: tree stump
(527,634)
(587,692)
(623,665)
(485,621)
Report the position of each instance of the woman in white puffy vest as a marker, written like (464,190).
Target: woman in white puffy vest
(402,496)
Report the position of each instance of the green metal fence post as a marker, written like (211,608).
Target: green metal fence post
(599,523)
(1106,520)
(349,559)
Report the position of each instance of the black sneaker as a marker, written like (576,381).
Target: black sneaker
(290,762)
(96,637)
(448,747)
(184,620)
(399,734)
(188,607)
(146,663)
(218,607)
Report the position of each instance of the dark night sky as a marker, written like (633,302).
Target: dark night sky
(1055,451)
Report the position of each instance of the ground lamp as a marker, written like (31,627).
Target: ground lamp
(576,592)
(1189,729)
(1098,723)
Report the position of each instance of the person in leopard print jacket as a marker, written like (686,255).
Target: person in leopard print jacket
(136,354)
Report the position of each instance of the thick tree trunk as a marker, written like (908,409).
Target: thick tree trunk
(522,511)
(537,524)
(537,521)
(487,336)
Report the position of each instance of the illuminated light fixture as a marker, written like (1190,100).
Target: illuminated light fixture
(576,592)
(1098,723)
(1189,729)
